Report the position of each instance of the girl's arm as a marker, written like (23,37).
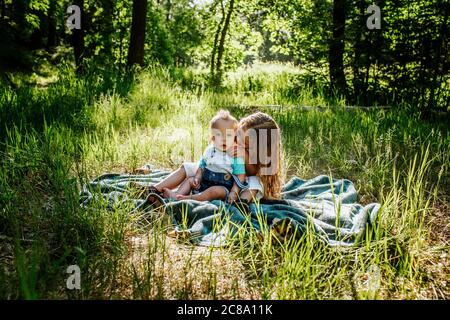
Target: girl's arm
(239,151)
(238,168)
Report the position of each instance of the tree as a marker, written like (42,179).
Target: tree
(2,9)
(51,25)
(107,25)
(336,48)
(78,39)
(137,37)
(440,49)
(219,44)
(216,39)
(361,58)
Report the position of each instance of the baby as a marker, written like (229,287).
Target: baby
(220,175)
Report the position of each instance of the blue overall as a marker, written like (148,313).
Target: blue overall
(226,180)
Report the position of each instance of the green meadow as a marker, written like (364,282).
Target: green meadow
(58,132)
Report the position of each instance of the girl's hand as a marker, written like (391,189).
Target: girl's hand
(232,151)
(237,151)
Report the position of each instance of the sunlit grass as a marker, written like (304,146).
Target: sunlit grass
(103,124)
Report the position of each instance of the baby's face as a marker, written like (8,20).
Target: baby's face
(223,135)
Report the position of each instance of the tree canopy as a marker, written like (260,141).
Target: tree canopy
(404,62)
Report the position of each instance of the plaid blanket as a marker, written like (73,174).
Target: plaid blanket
(322,205)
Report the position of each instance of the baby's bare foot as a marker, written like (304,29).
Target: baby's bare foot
(169,194)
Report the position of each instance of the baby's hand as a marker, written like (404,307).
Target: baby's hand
(232,197)
(195,183)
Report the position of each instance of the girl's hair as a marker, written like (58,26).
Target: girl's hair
(272,182)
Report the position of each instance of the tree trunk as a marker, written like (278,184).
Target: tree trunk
(2,9)
(221,47)
(78,39)
(36,38)
(18,10)
(216,39)
(122,56)
(358,75)
(18,16)
(51,26)
(336,48)
(439,61)
(137,38)
(168,9)
(108,28)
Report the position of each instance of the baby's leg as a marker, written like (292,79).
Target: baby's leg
(212,193)
(184,189)
(172,180)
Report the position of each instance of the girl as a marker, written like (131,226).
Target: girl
(259,138)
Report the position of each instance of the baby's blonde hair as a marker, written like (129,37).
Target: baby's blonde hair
(272,183)
(222,115)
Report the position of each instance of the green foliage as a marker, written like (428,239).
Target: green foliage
(300,29)
(404,63)
(160,46)
(185,29)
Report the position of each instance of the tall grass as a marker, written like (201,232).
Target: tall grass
(54,139)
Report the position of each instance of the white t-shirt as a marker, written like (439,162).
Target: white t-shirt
(220,161)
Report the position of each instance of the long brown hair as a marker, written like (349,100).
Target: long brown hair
(273,182)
